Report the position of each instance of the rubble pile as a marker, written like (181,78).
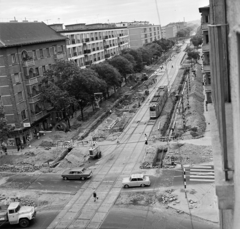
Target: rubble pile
(19,168)
(168,197)
(189,154)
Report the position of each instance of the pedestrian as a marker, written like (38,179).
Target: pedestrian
(146,141)
(95,196)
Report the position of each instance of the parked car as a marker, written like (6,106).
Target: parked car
(136,180)
(77,174)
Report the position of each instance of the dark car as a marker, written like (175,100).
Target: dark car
(77,174)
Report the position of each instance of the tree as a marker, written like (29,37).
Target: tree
(146,54)
(137,57)
(193,55)
(196,40)
(5,129)
(59,99)
(130,58)
(122,65)
(155,49)
(165,44)
(109,74)
(185,32)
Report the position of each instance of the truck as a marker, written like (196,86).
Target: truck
(95,152)
(14,213)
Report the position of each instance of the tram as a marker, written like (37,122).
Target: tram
(158,101)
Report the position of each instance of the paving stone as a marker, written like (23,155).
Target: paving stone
(93,225)
(69,216)
(63,224)
(79,224)
(93,185)
(105,208)
(98,217)
(86,214)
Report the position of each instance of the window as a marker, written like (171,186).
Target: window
(34,54)
(54,49)
(48,52)
(145,35)
(37,71)
(146,41)
(41,53)
(23,114)
(17,78)
(13,58)
(43,69)
(20,96)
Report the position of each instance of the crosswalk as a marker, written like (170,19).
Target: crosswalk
(201,173)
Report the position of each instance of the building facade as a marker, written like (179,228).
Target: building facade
(94,45)
(27,50)
(140,35)
(205,20)
(224,42)
(171,29)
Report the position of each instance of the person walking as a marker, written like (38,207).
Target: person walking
(95,196)
(146,141)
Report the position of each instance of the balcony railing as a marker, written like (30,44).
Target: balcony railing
(73,41)
(89,62)
(74,53)
(106,37)
(206,68)
(32,81)
(87,51)
(28,63)
(107,55)
(86,39)
(106,46)
(205,47)
(34,98)
(204,26)
(59,56)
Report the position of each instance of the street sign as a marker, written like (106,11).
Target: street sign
(26,124)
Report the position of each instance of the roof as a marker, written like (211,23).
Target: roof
(25,33)
(13,205)
(203,8)
(137,176)
(89,30)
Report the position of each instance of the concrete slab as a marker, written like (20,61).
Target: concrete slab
(93,225)
(69,216)
(93,185)
(98,217)
(79,224)
(105,208)
(63,225)
(86,214)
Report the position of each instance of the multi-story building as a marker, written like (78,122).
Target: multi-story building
(224,42)
(140,35)
(205,52)
(92,44)
(27,50)
(171,29)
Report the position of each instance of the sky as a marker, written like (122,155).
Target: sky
(100,11)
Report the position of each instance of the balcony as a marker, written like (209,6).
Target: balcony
(208,87)
(73,41)
(59,56)
(88,63)
(106,37)
(106,46)
(86,39)
(28,63)
(74,53)
(87,51)
(32,81)
(206,68)
(107,55)
(205,47)
(39,115)
(93,50)
(204,26)
(34,98)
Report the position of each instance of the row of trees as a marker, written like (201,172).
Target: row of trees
(68,85)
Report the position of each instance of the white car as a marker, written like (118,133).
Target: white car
(136,180)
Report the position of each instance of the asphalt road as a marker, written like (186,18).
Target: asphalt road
(143,218)
(42,221)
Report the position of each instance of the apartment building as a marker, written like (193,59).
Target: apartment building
(94,43)
(171,29)
(224,42)
(140,35)
(27,50)
(205,52)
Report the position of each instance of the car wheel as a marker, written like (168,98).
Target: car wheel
(142,185)
(24,223)
(100,154)
(126,186)
(82,178)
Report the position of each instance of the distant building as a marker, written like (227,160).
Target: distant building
(94,43)
(27,50)
(171,29)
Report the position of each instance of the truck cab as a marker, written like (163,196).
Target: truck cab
(95,152)
(17,214)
